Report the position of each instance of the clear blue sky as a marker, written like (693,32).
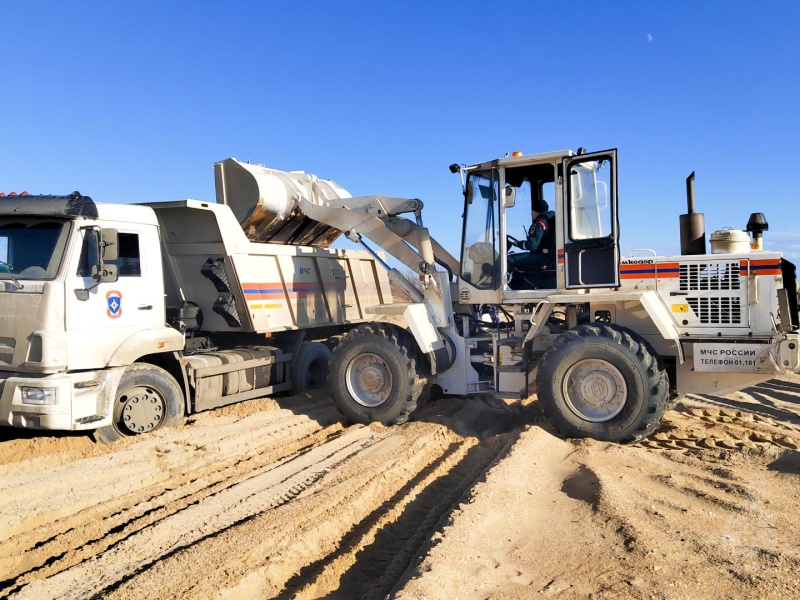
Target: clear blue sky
(135,101)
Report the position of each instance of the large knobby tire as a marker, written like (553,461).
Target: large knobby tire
(148,398)
(603,382)
(310,369)
(377,374)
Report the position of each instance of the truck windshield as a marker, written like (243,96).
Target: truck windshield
(31,248)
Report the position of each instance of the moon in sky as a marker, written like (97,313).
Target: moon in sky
(649,38)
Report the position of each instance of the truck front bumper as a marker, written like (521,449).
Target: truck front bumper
(61,401)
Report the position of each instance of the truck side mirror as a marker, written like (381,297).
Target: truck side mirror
(100,248)
(109,244)
(104,273)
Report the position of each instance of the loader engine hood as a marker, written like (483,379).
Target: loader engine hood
(265,202)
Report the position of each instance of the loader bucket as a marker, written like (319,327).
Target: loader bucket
(264,202)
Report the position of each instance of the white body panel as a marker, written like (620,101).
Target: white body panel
(727,294)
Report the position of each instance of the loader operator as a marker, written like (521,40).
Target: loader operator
(527,268)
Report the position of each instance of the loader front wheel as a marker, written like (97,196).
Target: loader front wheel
(377,374)
(148,398)
(604,382)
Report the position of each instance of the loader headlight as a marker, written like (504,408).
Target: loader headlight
(39,396)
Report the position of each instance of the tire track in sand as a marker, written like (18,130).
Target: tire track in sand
(93,503)
(281,502)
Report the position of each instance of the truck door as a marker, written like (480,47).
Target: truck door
(99,324)
(591,225)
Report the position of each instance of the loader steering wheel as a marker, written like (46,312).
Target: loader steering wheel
(511,242)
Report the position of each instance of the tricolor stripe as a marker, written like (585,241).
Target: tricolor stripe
(276,291)
(767,266)
(650,270)
(560,256)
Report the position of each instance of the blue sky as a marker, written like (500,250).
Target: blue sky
(135,101)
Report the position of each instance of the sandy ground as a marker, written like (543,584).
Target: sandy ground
(476,499)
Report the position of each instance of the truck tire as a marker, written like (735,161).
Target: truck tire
(377,374)
(310,370)
(148,398)
(604,382)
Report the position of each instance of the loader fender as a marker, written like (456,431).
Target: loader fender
(650,301)
(426,335)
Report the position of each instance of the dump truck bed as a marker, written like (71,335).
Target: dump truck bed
(246,286)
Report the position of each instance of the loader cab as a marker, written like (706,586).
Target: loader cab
(580,251)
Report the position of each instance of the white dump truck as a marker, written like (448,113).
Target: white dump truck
(124,318)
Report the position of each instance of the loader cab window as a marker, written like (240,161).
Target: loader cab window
(479,251)
(590,214)
(128,262)
(531,243)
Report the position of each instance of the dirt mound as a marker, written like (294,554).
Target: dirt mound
(706,508)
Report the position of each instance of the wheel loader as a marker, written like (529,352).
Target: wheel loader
(608,343)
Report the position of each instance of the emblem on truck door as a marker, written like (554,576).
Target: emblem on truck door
(114,302)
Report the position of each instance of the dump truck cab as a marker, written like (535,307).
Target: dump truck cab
(80,291)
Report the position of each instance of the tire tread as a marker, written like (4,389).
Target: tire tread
(657,381)
(413,365)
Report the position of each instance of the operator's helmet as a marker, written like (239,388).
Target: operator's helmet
(540,206)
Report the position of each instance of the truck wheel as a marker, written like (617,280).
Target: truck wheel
(148,398)
(377,374)
(603,382)
(310,370)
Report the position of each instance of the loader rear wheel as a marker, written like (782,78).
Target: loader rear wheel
(603,382)
(148,398)
(310,370)
(377,374)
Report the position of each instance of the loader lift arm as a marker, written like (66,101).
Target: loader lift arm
(377,218)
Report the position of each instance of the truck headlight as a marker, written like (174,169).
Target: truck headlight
(39,396)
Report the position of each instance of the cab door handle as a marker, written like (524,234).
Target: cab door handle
(146,307)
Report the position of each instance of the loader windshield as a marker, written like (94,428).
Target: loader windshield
(31,248)
(479,258)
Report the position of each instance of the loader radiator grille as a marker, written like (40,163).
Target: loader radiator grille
(717,311)
(709,276)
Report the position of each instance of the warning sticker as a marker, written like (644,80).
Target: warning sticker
(680,308)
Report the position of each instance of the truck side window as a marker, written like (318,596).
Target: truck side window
(128,263)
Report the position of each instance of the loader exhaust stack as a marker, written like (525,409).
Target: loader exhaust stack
(693,224)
